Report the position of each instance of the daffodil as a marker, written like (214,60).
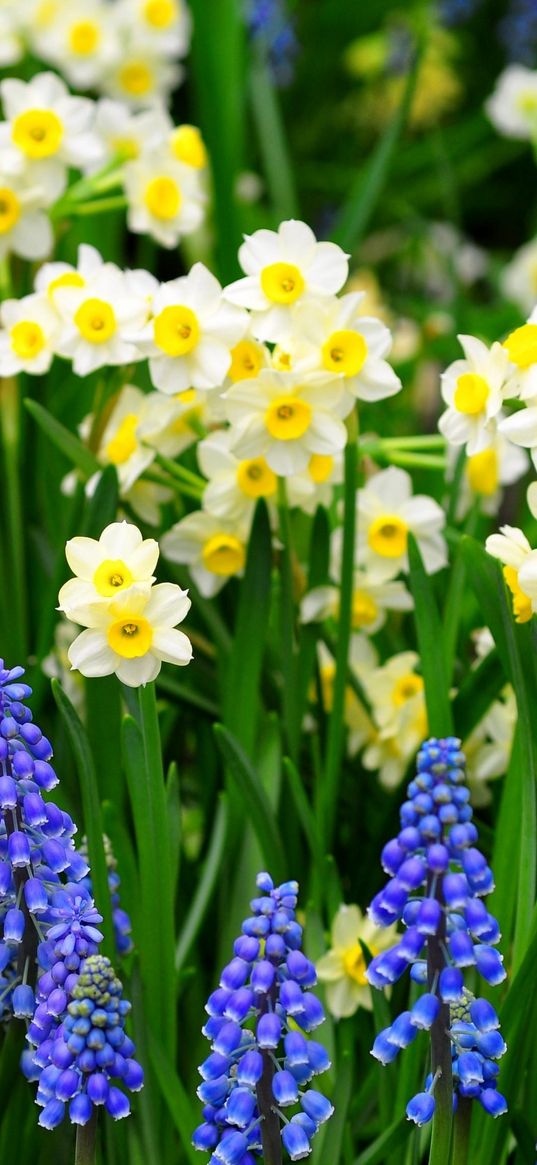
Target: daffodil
(343,967)
(370,602)
(51,277)
(97,318)
(388,512)
(214,549)
(234,485)
(165,198)
(518,280)
(396,690)
(142,76)
(512,549)
(284,268)
(25,228)
(521,348)
(488,748)
(106,568)
(134,634)
(512,107)
(485,473)
(28,335)
(473,390)
(81,40)
(286,418)
(123,132)
(164,26)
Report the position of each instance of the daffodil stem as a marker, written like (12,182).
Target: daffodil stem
(287,628)
(86,1141)
(336,727)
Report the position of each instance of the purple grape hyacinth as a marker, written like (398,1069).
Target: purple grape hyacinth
(438,879)
(256,1078)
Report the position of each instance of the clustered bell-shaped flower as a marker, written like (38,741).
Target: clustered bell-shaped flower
(83,1045)
(262,1057)
(120,918)
(438,879)
(48,918)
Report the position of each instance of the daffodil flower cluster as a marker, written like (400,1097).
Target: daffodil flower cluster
(49,927)
(437,881)
(130,621)
(47,133)
(129,49)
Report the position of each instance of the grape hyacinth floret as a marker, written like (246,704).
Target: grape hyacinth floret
(438,879)
(256,1081)
(120,918)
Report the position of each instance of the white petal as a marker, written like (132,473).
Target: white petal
(173,647)
(91,655)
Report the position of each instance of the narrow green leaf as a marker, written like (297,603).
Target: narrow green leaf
(478,690)
(258,807)
(65,441)
(271,139)
(430,643)
(303,808)
(393,1138)
(241,706)
(102,505)
(173,807)
(331,1139)
(205,886)
(181,1110)
(93,823)
(318,557)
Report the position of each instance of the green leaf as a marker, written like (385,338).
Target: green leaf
(430,643)
(102,505)
(303,808)
(65,441)
(206,884)
(256,802)
(392,1138)
(91,806)
(241,706)
(173,808)
(331,1139)
(478,690)
(271,138)
(181,1110)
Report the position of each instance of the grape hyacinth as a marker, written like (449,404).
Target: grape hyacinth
(50,928)
(262,1060)
(271,29)
(438,879)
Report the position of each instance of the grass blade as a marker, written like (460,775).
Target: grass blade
(255,799)
(430,639)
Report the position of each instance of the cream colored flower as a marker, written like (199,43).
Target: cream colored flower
(134,634)
(234,486)
(25,228)
(213,549)
(387,514)
(343,967)
(370,602)
(518,280)
(473,390)
(28,336)
(512,107)
(105,568)
(99,320)
(165,198)
(488,748)
(512,548)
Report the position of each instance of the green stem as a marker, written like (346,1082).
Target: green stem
(336,726)
(194,480)
(287,625)
(11,434)
(86,1141)
(461,1132)
(98,206)
(271,139)
(270,1124)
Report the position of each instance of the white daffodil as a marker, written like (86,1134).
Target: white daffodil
(234,486)
(121,443)
(12,46)
(164,26)
(186,145)
(286,418)
(512,549)
(46,131)
(314,486)
(248,357)
(283,268)
(512,107)
(134,634)
(388,513)
(343,967)
(53,276)
(213,549)
(521,348)
(488,748)
(123,133)
(81,40)
(363,659)
(521,429)
(370,602)
(25,228)
(141,76)
(394,690)
(473,390)
(97,319)
(487,472)
(28,335)
(165,198)
(337,338)
(105,568)
(518,280)
(146,498)
(171,424)
(193,330)
(389,755)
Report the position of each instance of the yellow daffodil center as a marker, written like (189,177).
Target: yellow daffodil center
(45,13)
(130,637)
(27,339)
(345,352)
(124,443)
(163,198)
(37,132)
(187,421)
(135,78)
(482,472)
(288,418)
(355,965)
(68,279)
(256,479)
(126,148)
(111,576)
(84,37)
(223,554)
(521,345)
(187,146)
(282,282)
(159,13)
(364,610)
(282,360)
(10,210)
(320,467)
(176,331)
(527,102)
(388,536)
(522,609)
(405,688)
(471,394)
(96,321)
(246,361)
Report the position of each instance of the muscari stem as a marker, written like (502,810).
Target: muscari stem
(461,1132)
(440,1052)
(270,1124)
(86,1142)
